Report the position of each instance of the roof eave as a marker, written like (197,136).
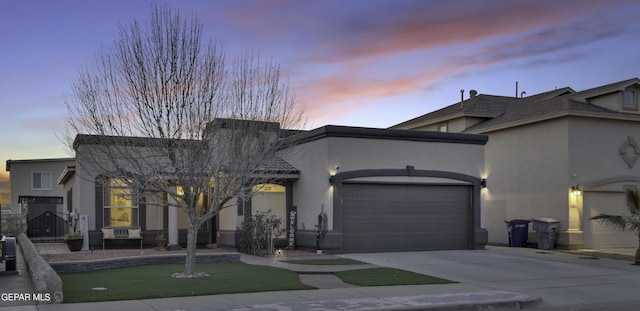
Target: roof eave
(462,114)
(624,117)
(607,89)
(66,174)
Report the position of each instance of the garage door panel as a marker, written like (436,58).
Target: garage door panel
(598,235)
(378,217)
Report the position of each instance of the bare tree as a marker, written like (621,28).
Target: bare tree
(144,116)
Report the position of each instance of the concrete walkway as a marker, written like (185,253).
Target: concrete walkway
(333,294)
(17,281)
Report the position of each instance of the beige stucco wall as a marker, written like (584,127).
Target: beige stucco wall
(272,199)
(455,125)
(228,217)
(319,159)
(527,177)
(610,101)
(531,169)
(84,186)
(21,179)
(614,101)
(84,183)
(596,165)
(312,190)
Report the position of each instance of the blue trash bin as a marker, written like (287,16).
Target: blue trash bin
(518,232)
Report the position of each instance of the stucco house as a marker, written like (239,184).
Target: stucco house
(560,154)
(377,189)
(36,193)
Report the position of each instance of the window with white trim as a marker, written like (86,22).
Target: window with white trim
(630,102)
(41,181)
(443,127)
(120,208)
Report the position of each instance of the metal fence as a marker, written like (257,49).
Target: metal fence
(45,223)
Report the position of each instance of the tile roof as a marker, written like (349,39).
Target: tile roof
(278,165)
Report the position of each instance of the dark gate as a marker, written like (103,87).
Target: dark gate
(44,222)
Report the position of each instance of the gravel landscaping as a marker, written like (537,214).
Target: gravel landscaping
(118,253)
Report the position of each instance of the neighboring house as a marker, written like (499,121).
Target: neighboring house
(380,190)
(36,193)
(561,154)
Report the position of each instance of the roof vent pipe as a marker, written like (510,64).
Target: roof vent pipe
(461,98)
(473,93)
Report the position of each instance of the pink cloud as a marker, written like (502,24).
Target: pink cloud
(345,47)
(339,96)
(331,32)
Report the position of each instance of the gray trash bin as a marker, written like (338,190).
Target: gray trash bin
(546,230)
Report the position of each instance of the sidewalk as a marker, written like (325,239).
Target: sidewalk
(423,297)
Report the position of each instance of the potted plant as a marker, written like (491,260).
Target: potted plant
(161,241)
(74,241)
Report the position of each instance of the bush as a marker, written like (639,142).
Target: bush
(258,233)
(73,236)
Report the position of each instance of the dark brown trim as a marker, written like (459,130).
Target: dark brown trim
(388,134)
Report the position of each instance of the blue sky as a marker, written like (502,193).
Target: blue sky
(361,62)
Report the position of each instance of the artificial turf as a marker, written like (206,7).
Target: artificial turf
(155,281)
(387,277)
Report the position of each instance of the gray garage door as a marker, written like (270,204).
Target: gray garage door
(383,217)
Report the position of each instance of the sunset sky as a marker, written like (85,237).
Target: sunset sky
(361,63)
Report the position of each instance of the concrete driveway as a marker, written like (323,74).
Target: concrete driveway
(559,278)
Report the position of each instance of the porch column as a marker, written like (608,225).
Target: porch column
(173,225)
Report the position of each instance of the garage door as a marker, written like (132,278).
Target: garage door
(383,217)
(598,235)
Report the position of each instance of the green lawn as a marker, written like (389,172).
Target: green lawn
(387,277)
(336,261)
(155,281)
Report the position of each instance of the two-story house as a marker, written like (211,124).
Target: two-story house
(35,192)
(561,154)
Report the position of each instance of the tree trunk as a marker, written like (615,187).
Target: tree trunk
(192,241)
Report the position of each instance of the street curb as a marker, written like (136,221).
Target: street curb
(508,305)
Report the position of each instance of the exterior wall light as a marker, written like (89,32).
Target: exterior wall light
(483,183)
(331,180)
(576,191)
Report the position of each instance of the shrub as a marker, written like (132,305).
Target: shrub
(258,233)
(73,236)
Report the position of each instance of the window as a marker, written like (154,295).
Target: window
(442,127)
(629,102)
(120,210)
(41,181)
